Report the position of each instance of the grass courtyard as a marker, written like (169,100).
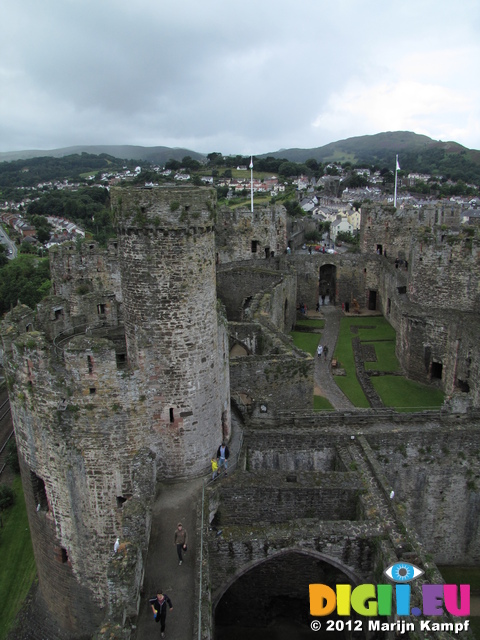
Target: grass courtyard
(377,337)
(395,391)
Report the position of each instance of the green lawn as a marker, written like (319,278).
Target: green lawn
(310,322)
(344,355)
(321,404)
(17,570)
(386,358)
(406,395)
(306,341)
(465,575)
(395,391)
(351,388)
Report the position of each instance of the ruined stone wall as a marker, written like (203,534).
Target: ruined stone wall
(440,257)
(395,229)
(445,271)
(237,286)
(274,497)
(353,275)
(288,452)
(275,307)
(243,235)
(277,383)
(441,348)
(85,267)
(167,247)
(278,379)
(436,477)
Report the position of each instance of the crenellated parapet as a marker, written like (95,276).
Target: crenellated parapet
(78,436)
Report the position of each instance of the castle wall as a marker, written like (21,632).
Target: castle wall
(85,267)
(444,273)
(435,476)
(276,382)
(440,256)
(237,286)
(276,498)
(245,235)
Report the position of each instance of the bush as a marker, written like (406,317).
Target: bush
(12,456)
(7,497)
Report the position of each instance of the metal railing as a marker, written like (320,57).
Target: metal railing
(232,465)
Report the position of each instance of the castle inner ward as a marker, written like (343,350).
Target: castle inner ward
(151,352)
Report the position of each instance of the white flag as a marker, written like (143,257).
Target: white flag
(398,166)
(251,163)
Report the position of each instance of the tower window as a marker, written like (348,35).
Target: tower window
(172,417)
(254,246)
(90,364)
(436,370)
(39,492)
(101,309)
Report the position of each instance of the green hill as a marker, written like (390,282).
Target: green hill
(158,155)
(416,153)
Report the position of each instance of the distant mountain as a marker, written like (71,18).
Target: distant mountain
(416,153)
(158,155)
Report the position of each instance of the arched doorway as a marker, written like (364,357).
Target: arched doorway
(271,598)
(327,283)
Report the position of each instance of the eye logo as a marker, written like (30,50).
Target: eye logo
(402,572)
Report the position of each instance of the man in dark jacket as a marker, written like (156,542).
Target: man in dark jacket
(223,454)
(159,608)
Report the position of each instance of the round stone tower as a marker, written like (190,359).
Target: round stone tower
(174,346)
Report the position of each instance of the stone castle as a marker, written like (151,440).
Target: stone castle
(150,352)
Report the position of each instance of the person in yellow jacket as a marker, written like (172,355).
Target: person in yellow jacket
(214,468)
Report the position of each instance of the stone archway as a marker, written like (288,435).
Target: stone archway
(327,282)
(273,594)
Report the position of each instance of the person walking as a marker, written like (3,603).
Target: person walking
(325,351)
(319,350)
(159,608)
(180,539)
(223,454)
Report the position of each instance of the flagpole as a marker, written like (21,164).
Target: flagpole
(251,184)
(395,194)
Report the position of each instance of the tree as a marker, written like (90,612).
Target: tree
(3,255)
(27,278)
(12,456)
(293,208)
(43,235)
(173,165)
(288,169)
(189,163)
(215,159)
(7,497)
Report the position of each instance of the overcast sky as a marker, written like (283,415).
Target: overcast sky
(242,77)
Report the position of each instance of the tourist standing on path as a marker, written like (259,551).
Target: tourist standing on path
(319,350)
(159,608)
(180,539)
(325,351)
(223,454)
